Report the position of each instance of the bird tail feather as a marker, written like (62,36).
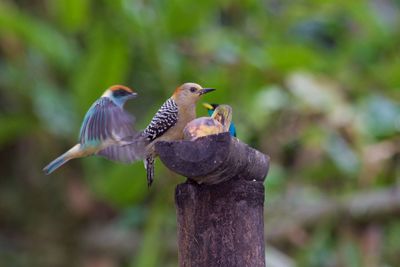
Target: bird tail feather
(149,165)
(61,160)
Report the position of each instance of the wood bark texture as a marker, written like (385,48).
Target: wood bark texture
(220,206)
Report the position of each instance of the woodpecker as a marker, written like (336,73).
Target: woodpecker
(105,127)
(169,121)
(219,122)
(210,110)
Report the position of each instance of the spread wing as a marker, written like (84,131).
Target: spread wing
(107,122)
(125,153)
(163,120)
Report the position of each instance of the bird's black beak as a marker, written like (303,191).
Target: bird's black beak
(205,91)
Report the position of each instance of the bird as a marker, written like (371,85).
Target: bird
(104,129)
(169,121)
(210,110)
(219,122)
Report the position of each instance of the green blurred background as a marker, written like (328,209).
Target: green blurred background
(314,84)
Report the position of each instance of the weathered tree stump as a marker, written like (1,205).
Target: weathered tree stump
(220,207)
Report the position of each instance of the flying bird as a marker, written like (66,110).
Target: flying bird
(105,130)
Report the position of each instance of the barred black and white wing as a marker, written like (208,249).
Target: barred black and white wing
(165,118)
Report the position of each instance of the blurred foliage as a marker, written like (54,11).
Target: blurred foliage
(314,84)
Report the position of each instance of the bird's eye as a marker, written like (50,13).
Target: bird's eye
(193,89)
(120,92)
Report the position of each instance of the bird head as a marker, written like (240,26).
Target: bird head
(119,94)
(223,114)
(190,93)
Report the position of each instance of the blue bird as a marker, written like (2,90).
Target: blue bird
(210,109)
(104,131)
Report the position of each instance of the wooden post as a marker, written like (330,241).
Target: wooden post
(220,206)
